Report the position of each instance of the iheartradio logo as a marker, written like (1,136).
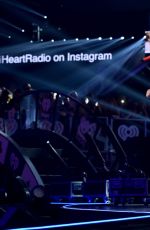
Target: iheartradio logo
(125,132)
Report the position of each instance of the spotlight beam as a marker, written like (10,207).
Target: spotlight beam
(11,25)
(111,76)
(24,8)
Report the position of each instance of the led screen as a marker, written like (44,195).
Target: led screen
(82,65)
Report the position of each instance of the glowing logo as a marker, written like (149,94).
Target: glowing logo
(124,132)
(45,124)
(85,127)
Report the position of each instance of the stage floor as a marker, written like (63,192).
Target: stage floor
(93,216)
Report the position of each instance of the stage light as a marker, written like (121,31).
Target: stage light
(31,41)
(11,25)
(122,38)
(87,100)
(26,9)
(132,37)
(96,103)
(87,39)
(41,40)
(9,36)
(110,38)
(54,96)
(64,40)
(100,38)
(77,39)
(52,40)
(123,101)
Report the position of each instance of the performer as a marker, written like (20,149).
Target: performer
(148,93)
(147,46)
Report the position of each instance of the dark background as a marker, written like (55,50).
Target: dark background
(76,18)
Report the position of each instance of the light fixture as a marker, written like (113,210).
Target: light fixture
(54,96)
(96,103)
(87,100)
(123,100)
(122,38)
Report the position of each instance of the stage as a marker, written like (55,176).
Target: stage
(88,216)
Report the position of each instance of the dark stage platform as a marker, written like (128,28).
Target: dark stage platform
(88,216)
